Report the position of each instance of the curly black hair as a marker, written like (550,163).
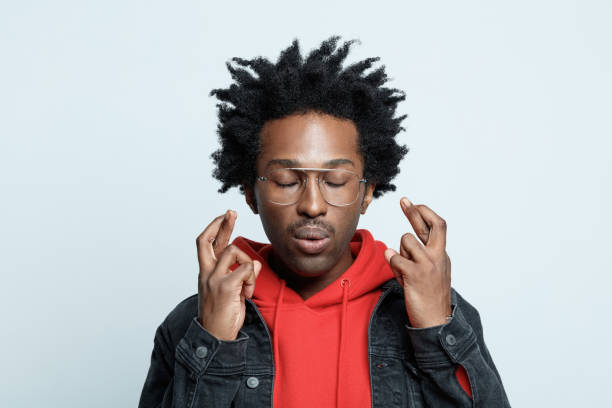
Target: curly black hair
(297,85)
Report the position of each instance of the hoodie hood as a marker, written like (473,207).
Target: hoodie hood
(368,271)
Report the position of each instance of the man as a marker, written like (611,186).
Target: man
(324,315)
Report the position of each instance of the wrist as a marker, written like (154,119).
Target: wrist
(215,332)
(430,321)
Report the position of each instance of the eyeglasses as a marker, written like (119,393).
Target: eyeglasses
(338,187)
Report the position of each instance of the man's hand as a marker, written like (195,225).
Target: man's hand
(221,291)
(423,271)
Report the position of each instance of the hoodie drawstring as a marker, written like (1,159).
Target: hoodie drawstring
(345,283)
(279,302)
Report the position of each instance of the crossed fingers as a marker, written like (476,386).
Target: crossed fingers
(429,227)
(214,239)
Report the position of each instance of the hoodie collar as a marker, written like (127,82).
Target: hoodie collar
(368,272)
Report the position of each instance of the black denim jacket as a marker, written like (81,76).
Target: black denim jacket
(409,367)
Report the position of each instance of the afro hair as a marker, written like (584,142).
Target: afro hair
(264,91)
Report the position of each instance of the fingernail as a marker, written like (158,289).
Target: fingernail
(406,202)
(389,253)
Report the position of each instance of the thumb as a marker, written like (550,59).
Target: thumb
(389,253)
(256,268)
(249,284)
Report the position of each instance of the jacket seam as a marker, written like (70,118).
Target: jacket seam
(382,297)
(263,322)
(195,392)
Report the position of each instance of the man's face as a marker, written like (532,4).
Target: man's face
(310,140)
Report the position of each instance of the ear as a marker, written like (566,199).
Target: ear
(251,200)
(367,197)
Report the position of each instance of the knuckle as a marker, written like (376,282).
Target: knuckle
(246,268)
(201,239)
(227,251)
(208,285)
(442,223)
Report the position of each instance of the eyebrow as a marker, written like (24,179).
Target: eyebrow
(295,163)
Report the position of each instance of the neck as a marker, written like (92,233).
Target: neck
(307,286)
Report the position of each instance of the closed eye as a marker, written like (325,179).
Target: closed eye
(286,185)
(334,185)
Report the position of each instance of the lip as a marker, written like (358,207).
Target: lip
(311,239)
(312,246)
(313,233)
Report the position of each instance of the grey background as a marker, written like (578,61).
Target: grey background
(106,130)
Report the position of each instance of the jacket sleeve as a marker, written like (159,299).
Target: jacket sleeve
(199,370)
(440,350)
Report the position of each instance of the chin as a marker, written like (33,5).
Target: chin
(310,266)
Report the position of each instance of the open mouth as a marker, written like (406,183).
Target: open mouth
(312,246)
(311,240)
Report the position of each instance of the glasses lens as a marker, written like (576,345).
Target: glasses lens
(284,186)
(339,187)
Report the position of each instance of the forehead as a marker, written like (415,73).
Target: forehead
(310,140)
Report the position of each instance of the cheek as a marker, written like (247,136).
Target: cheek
(274,220)
(346,223)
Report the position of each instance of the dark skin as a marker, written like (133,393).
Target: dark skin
(317,141)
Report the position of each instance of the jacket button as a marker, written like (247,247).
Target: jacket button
(252,382)
(201,351)
(451,340)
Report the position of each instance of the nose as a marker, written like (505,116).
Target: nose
(311,203)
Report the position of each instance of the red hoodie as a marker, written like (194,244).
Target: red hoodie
(321,343)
